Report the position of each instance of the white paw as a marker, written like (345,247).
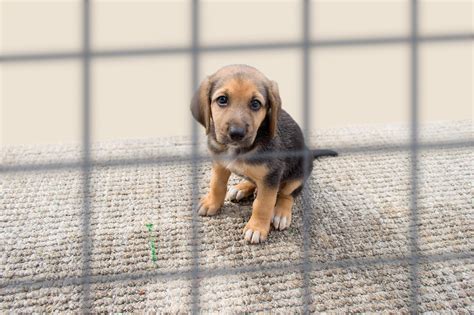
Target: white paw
(253,237)
(281,222)
(207,207)
(235,195)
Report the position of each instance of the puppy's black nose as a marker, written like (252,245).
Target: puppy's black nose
(236,133)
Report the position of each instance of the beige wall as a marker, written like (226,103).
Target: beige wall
(148,96)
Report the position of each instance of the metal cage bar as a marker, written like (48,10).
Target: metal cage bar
(216,272)
(195,191)
(307,204)
(180,159)
(269,46)
(86,167)
(414,109)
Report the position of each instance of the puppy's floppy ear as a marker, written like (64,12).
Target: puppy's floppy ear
(274,101)
(201,104)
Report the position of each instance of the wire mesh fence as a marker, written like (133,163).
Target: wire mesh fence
(194,50)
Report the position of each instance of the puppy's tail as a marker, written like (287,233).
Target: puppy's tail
(322,152)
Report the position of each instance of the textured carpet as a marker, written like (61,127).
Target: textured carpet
(359,216)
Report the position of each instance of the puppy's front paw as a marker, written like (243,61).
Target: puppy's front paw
(236,195)
(282,214)
(281,222)
(208,206)
(256,231)
(282,218)
(240,191)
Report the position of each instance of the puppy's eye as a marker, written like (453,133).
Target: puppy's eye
(222,100)
(255,105)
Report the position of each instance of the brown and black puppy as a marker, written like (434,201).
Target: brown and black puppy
(241,111)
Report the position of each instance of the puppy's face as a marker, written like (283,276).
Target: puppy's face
(238,108)
(235,101)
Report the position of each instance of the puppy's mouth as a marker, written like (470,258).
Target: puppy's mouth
(240,144)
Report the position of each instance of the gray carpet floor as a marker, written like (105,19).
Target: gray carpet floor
(359,217)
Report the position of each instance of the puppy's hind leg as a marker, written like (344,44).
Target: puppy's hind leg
(240,191)
(284,204)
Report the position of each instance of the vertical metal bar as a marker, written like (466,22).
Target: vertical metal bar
(307,205)
(86,241)
(414,157)
(195,307)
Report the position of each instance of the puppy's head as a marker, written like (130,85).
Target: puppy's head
(234,103)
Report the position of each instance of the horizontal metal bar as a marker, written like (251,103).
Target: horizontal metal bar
(42,56)
(157,51)
(216,272)
(372,41)
(180,159)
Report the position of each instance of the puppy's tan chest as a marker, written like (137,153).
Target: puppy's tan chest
(255,172)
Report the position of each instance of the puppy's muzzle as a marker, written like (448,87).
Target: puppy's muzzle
(237,133)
